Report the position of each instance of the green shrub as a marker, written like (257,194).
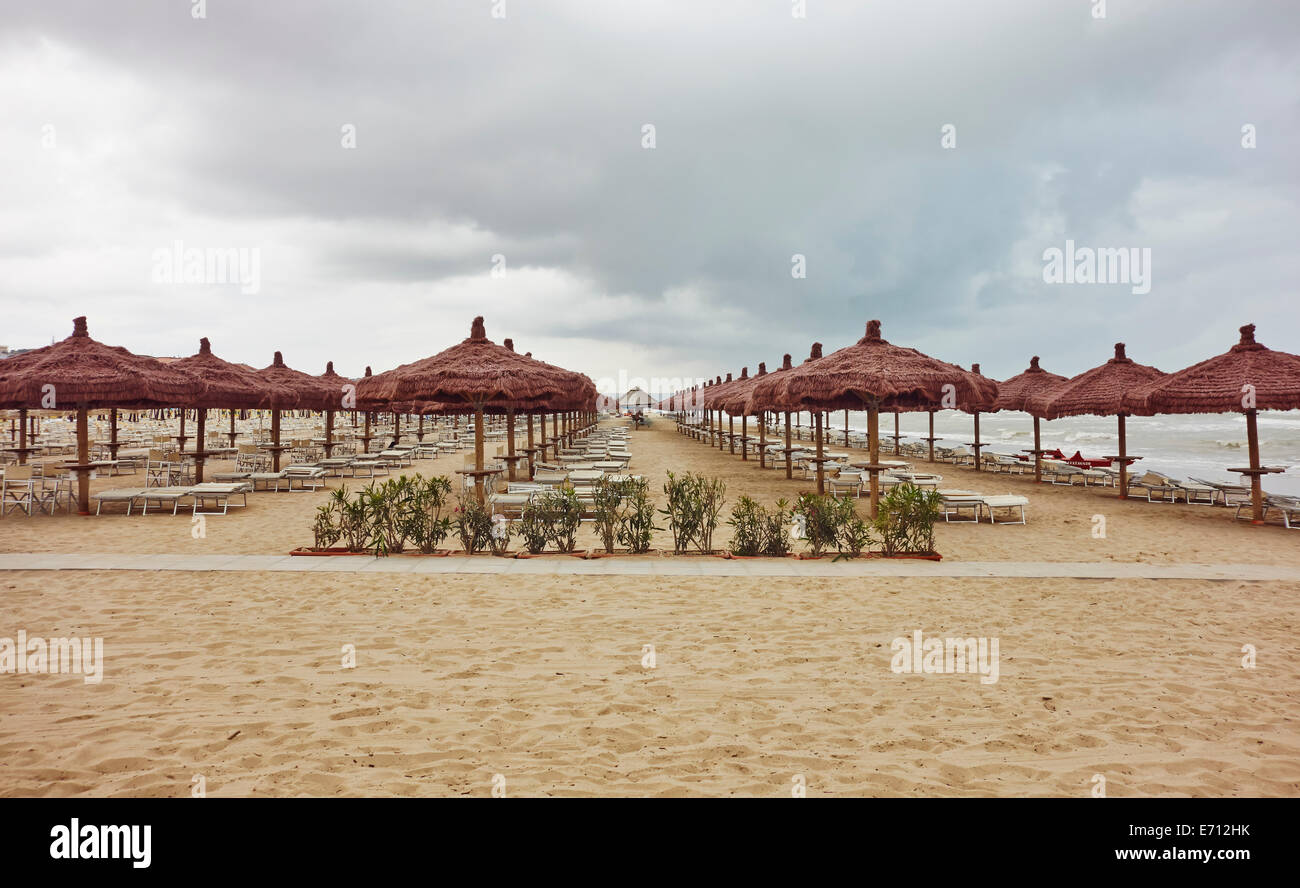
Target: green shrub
(852,531)
(636,522)
(749,524)
(776,530)
(534,528)
(816,516)
(563,515)
(608,496)
(906,518)
(473,525)
(425,525)
(694,503)
(326,530)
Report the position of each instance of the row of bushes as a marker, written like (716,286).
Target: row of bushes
(387,517)
(904,524)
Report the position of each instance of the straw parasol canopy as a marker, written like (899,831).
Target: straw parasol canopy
(873,374)
(479,374)
(1247,378)
(86,372)
(1100,392)
(343,386)
(226,385)
(81,373)
(1016,393)
(293,390)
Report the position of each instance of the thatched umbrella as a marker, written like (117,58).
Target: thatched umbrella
(753,406)
(227,386)
(83,373)
(974,409)
(477,373)
(340,385)
(769,393)
(294,390)
(1015,394)
(1247,378)
(736,401)
(1100,392)
(872,374)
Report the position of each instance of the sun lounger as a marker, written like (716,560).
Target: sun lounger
(305,476)
(126,495)
(1156,484)
(1008,502)
(219,494)
(162,496)
(954,501)
(1287,506)
(849,482)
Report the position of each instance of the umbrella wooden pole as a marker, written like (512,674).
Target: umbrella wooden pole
(83,458)
(1256,487)
(275,439)
(788,473)
(112,432)
(478,452)
(821,470)
(329,433)
(898,451)
(846,428)
(510,442)
(555,433)
(931,436)
(1123,463)
(1038,453)
(762,440)
(531,449)
(873,454)
(744,436)
(419,436)
(231,433)
(22,436)
(200,443)
(977,441)
(182,437)
(731,434)
(365,435)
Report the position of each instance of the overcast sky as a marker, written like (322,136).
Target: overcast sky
(129,126)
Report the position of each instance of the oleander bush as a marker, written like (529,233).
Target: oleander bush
(694,504)
(906,519)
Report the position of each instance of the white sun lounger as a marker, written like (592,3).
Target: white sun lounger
(126,495)
(219,494)
(1008,502)
(304,475)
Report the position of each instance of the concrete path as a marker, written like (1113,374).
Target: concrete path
(562,565)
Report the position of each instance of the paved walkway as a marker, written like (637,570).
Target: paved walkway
(561,565)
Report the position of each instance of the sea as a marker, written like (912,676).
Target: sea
(1193,445)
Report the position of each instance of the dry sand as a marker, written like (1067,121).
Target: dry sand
(462,678)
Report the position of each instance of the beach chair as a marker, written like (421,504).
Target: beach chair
(1155,484)
(219,494)
(1007,502)
(1288,506)
(848,482)
(126,495)
(18,490)
(953,502)
(162,496)
(308,477)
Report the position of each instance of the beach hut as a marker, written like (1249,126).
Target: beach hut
(1016,393)
(81,373)
(1100,392)
(870,375)
(1247,378)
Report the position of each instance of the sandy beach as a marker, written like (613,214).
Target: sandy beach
(238,677)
